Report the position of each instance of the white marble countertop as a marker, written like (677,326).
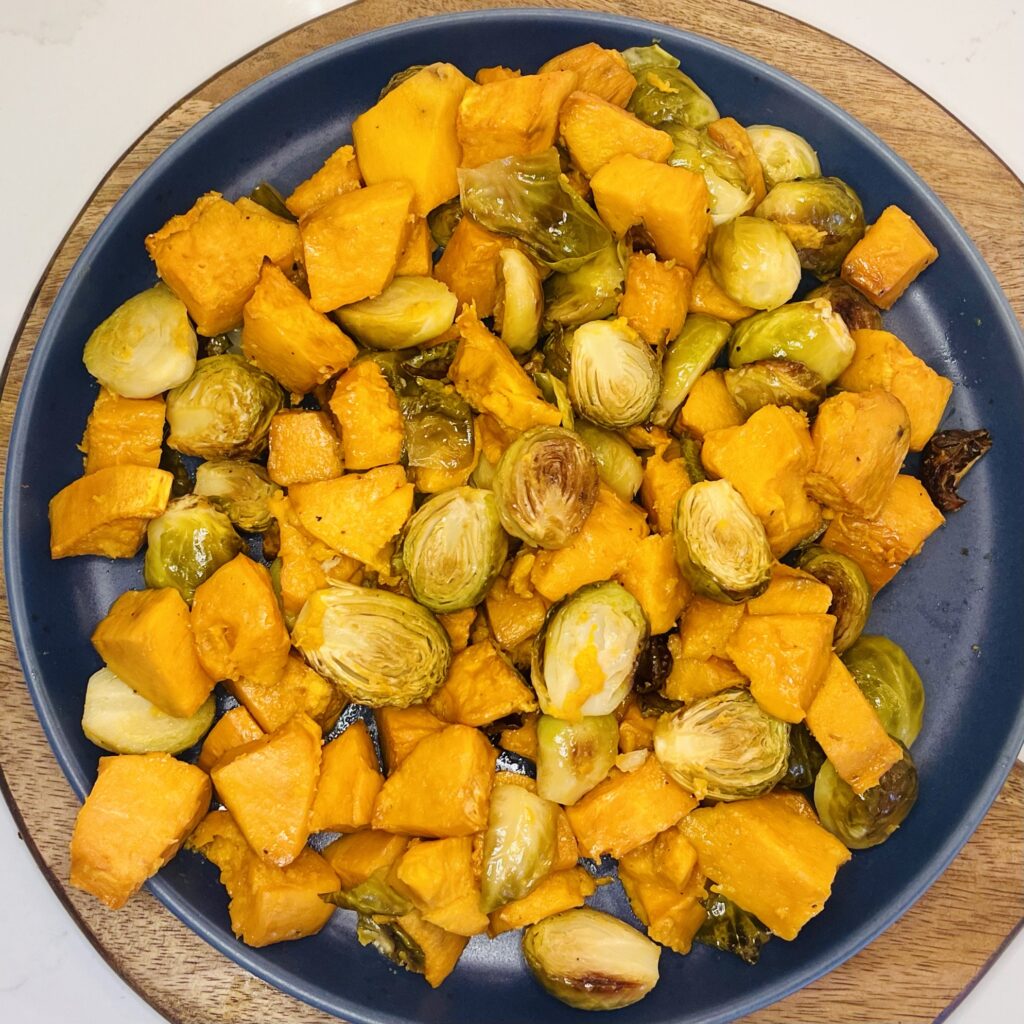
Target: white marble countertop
(80,80)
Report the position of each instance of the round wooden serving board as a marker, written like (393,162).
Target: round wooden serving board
(920,967)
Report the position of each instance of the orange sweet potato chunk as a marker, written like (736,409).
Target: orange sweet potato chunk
(652,576)
(417,259)
(599,71)
(123,431)
(140,810)
(656,298)
(695,678)
(349,782)
(339,173)
(521,740)
(513,618)
(232,729)
(400,729)
(298,689)
(791,591)
(357,856)
(706,628)
(709,406)
(708,298)
(303,448)
(469,265)
(369,420)
(636,732)
(482,686)
(561,890)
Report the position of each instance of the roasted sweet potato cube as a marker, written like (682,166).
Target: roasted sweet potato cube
(636,731)
(442,788)
(709,406)
(298,689)
(409,135)
(498,73)
(123,431)
(670,203)
(139,812)
(400,729)
(303,448)
(522,739)
(469,265)
(458,625)
(708,298)
(357,856)
(441,950)
(656,298)
(352,243)
(417,259)
(561,890)
(653,578)
(232,729)
(696,678)
(881,360)
(707,626)
(513,618)
(350,779)
(791,591)
(733,138)
(146,639)
(482,686)
(339,173)
(106,512)
(665,481)
(369,421)
(599,71)
(269,786)
(884,263)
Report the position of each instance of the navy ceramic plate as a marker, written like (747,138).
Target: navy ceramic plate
(957,610)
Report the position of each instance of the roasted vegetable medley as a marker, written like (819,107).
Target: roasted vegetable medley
(524,507)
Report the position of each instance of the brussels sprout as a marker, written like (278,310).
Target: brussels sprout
(519,845)
(227,344)
(408,312)
(223,410)
(545,486)
(590,960)
(823,218)
(946,459)
(573,757)
(241,490)
(688,355)
(265,195)
(453,549)
(144,347)
(617,464)
(731,929)
(188,544)
(663,93)
(379,648)
(861,822)
(851,593)
(805,758)
(721,546)
(438,423)
(729,192)
(432,362)
(591,292)
(754,261)
(527,197)
(654,665)
(809,332)
(784,155)
(849,304)
(586,652)
(640,58)
(520,301)
(174,463)
(443,220)
(391,940)
(556,352)
(888,679)
(724,747)
(555,392)
(373,896)
(775,382)
(614,377)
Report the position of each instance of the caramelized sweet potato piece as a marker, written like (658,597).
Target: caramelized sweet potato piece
(561,890)
(232,729)
(521,740)
(656,298)
(695,678)
(652,576)
(417,259)
(481,688)
(350,780)
(369,421)
(599,71)
(298,688)
(707,297)
(400,729)
(339,173)
(791,591)
(636,732)
(441,950)
(709,406)
(707,626)
(513,619)
(123,431)
(303,448)
(494,74)
(357,856)
(469,265)
(457,625)
(665,481)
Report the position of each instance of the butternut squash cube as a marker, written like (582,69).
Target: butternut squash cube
(123,431)
(791,591)
(106,512)
(400,729)
(696,678)
(785,657)
(410,135)
(656,298)
(881,360)
(653,578)
(495,74)
(442,788)
(441,950)
(769,855)
(708,298)
(706,628)
(513,619)
(469,265)
(599,71)
(561,890)
(357,856)
(146,639)
(482,686)
(369,420)
(303,448)
(339,173)
(670,203)
(636,732)
(350,780)
(728,133)
(231,730)
(417,259)
(521,740)
(269,786)
(664,482)
(883,544)
(567,849)
(884,263)
(298,689)
(138,813)
(352,243)
(457,625)
(709,406)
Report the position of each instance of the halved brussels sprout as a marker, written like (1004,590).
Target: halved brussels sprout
(946,459)
(754,261)
(223,410)
(617,464)
(784,155)
(373,896)
(809,332)
(519,845)
(573,757)
(520,301)
(861,822)
(823,218)
(805,758)
(590,960)
(851,593)
(721,546)
(188,544)
(438,422)
(732,929)
(888,679)
(729,191)
(241,490)
(453,549)
(663,93)
(775,382)
(545,486)
(586,653)
(528,198)
(144,347)
(443,220)
(614,377)
(591,292)
(556,393)
(849,304)
(408,312)
(174,463)
(723,747)
(379,648)
(687,357)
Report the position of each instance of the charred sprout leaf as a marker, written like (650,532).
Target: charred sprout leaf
(241,490)
(453,549)
(573,757)
(805,759)
(775,382)
(888,679)
(861,822)
(520,301)
(663,93)
(556,352)
(654,666)
(851,593)
(527,197)
(270,199)
(946,459)
(590,960)
(554,391)
(438,424)
(617,464)
(545,486)
(391,940)
(729,191)
(724,747)
(173,463)
(754,261)
(654,705)
(227,344)
(689,452)
(374,896)
(398,78)
(721,546)
(379,648)
(784,155)
(855,310)
(432,362)
(688,355)
(731,929)
(443,220)
(591,292)
(410,311)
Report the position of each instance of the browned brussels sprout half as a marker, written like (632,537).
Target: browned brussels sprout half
(438,424)
(663,93)
(851,593)
(775,382)
(241,490)
(888,679)
(654,666)
(853,308)
(573,757)
(689,354)
(947,458)
(731,929)
(590,292)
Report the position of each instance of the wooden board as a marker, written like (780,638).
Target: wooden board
(922,965)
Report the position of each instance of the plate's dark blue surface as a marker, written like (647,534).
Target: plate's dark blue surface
(957,610)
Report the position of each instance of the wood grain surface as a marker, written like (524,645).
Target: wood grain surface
(912,973)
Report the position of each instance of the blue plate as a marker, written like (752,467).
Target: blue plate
(957,610)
